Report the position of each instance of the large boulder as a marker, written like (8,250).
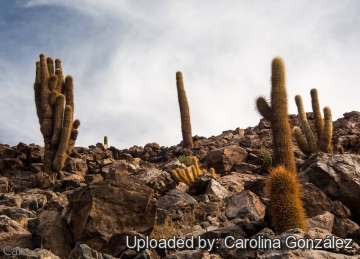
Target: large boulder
(108,207)
(223,159)
(338,176)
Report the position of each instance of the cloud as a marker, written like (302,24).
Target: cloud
(123,56)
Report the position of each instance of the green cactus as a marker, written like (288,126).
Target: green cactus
(54,100)
(277,114)
(106,142)
(189,174)
(286,208)
(265,156)
(184,112)
(187,160)
(321,142)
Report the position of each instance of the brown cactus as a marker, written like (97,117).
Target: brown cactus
(311,143)
(54,100)
(277,114)
(184,112)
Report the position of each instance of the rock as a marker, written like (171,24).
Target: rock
(245,205)
(232,182)
(17,214)
(340,210)
(82,251)
(42,181)
(342,226)
(76,166)
(7,152)
(160,181)
(116,245)
(53,233)
(338,176)
(4,185)
(315,201)
(223,159)
(214,188)
(324,221)
(109,207)
(8,225)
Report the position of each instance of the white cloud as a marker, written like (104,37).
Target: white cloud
(125,56)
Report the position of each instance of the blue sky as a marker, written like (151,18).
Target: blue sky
(123,56)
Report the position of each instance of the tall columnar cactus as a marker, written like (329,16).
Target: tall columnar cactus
(286,208)
(277,114)
(106,142)
(321,142)
(184,112)
(54,100)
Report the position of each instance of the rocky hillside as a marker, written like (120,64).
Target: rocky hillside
(111,203)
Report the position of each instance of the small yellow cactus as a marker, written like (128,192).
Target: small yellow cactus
(189,174)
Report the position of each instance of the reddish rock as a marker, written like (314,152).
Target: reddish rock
(223,159)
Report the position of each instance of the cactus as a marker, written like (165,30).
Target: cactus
(184,112)
(286,208)
(189,174)
(277,114)
(186,160)
(54,100)
(106,142)
(266,158)
(321,142)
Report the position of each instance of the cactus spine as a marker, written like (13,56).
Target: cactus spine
(321,142)
(184,112)
(54,100)
(286,207)
(277,114)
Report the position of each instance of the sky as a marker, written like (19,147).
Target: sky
(123,57)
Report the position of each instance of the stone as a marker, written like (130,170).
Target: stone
(223,159)
(245,205)
(324,221)
(108,207)
(338,176)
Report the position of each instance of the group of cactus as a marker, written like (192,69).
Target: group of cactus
(190,173)
(321,141)
(54,100)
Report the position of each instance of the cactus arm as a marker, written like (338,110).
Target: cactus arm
(58,114)
(319,123)
(301,141)
(37,92)
(61,154)
(309,134)
(50,65)
(325,139)
(264,108)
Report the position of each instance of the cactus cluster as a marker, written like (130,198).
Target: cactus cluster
(189,174)
(321,142)
(277,114)
(184,112)
(286,208)
(54,100)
